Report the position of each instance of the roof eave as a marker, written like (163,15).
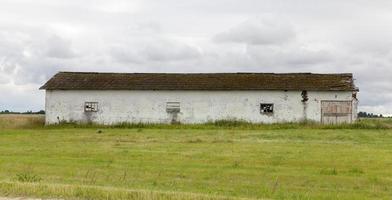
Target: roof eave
(124,89)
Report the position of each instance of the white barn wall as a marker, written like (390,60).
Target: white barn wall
(196,106)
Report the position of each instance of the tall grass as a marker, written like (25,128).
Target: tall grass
(38,121)
(95,192)
(12,121)
(238,124)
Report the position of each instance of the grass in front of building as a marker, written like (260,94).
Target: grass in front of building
(28,121)
(192,162)
(21,121)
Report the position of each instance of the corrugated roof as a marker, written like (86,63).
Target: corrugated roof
(193,81)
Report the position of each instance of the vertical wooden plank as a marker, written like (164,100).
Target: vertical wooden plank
(336,112)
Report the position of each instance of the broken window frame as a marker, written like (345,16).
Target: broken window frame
(266,108)
(90,106)
(304,95)
(173,107)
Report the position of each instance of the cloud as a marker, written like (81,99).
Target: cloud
(154,50)
(21,97)
(39,38)
(59,48)
(289,57)
(117,6)
(359,54)
(165,50)
(260,31)
(31,55)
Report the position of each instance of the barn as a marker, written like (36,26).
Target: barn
(110,98)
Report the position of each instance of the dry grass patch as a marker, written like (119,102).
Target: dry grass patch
(97,193)
(13,121)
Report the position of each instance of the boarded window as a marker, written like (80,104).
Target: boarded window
(91,107)
(266,108)
(173,107)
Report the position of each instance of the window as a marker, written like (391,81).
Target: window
(304,95)
(266,108)
(90,106)
(173,107)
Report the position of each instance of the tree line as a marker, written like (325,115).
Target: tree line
(369,115)
(29,112)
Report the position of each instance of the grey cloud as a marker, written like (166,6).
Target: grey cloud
(260,31)
(154,50)
(59,48)
(4,79)
(290,57)
(39,38)
(375,42)
(165,50)
(364,52)
(150,27)
(21,98)
(31,55)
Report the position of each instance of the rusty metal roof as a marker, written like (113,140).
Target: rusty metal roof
(205,81)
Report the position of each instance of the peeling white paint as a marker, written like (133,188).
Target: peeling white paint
(196,106)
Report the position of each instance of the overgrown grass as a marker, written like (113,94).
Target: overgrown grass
(17,121)
(37,121)
(236,124)
(99,193)
(218,160)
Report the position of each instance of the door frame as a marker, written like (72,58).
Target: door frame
(321,108)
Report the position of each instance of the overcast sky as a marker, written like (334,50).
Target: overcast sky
(40,37)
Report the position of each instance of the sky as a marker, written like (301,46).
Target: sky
(41,37)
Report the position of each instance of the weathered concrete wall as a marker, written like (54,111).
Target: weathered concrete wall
(196,106)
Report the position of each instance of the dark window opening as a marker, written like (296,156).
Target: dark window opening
(304,95)
(266,108)
(91,107)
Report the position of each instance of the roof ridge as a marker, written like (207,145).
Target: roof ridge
(207,73)
(200,81)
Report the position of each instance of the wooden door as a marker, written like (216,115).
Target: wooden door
(336,112)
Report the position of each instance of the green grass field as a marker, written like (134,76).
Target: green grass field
(195,162)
